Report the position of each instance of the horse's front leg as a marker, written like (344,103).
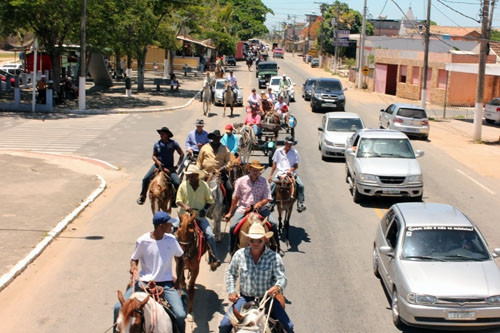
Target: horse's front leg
(192,281)
(180,282)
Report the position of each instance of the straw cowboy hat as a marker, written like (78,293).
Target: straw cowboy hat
(263,95)
(255,165)
(193,169)
(257,231)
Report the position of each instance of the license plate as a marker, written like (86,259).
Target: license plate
(461,315)
(411,130)
(329,105)
(391,191)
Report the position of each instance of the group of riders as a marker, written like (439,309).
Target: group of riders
(259,268)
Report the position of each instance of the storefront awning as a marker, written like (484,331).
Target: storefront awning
(491,69)
(194,41)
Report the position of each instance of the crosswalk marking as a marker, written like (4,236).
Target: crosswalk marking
(59,136)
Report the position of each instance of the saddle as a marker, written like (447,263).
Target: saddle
(201,241)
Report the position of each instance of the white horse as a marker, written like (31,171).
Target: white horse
(207,98)
(142,311)
(246,141)
(215,211)
(253,318)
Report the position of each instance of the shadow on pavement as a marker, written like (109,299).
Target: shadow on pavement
(205,311)
(297,235)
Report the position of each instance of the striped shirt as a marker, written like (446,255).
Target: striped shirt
(249,193)
(255,278)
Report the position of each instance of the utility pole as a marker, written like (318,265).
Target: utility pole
(83,67)
(293,31)
(336,40)
(309,19)
(485,36)
(362,37)
(426,53)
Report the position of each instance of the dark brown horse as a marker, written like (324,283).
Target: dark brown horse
(161,192)
(285,198)
(193,244)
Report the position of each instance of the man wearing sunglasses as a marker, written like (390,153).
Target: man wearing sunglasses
(260,270)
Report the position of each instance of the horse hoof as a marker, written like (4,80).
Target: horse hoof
(190,317)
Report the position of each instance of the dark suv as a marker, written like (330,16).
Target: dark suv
(265,70)
(327,94)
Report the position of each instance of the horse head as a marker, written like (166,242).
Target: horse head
(131,317)
(249,319)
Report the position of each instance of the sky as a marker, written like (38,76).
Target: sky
(440,13)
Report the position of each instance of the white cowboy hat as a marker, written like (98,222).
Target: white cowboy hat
(191,169)
(257,231)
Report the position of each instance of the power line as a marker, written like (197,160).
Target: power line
(456,11)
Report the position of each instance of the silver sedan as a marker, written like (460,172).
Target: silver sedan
(436,267)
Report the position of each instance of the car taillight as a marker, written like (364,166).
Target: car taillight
(498,109)
(398,120)
(425,122)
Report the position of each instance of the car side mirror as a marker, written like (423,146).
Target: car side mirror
(320,129)
(419,153)
(350,152)
(386,250)
(496,253)
(382,110)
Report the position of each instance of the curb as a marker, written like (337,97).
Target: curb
(7,278)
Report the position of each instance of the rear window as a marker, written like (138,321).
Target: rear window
(412,113)
(494,101)
(329,84)
(344,125)
(268,67)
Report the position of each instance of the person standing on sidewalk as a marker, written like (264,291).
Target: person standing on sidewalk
(163,157)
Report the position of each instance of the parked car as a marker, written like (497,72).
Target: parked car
(315,62)
(278,53)
(266,70)
(492,111)
(327,93)
(274,84)
(336,128)
(230,61)
(219,93)
(306,88)
(436,267)
(13,68)
(382,163)
(407,118)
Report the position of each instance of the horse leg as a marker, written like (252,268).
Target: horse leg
(192,281)
(280,226)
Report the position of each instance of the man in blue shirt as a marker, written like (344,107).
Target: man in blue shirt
(163,157)
(230,140)
(194,141)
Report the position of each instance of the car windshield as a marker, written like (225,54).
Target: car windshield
(220,85)
(310,82)
(329,84)
(412,113)
(444,243)
(263,67)
(344,125)
(390,148)
(275,81)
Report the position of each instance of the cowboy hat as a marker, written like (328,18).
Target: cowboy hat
(263,96)
(255,165)
(193,169)
(289,139)
(257,231)
(163,217)
(200,122)
(166,130)
(214,134)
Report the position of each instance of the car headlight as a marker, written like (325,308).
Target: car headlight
(329,143)
(415,179)
(219,95)
(367,178)
(316,95)
(340,97)
(421,299)
(493,299)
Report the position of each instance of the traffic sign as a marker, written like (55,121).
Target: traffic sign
(365,70)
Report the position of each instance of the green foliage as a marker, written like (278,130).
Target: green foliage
(495,35)
(350,62)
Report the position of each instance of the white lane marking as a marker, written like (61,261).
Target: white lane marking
(476,182)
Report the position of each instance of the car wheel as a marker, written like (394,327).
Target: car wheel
(375,263)
(396,319)
(313,109)
(490,121)
(356,196)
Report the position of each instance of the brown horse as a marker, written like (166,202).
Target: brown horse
(229,99)
(161,192)
(219,71)
(251,218)
(285,198)
(235,170)
(193,244)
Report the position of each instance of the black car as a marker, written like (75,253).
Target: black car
(230,61)
(327,94)
(306,89)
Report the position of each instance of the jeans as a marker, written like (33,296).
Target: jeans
(256,130)
(228,187)
(239,216)
(299,190)
(277,312)
(171,295)
(209,234)
(149,176)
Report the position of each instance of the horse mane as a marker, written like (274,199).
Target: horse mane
(250,318)
(136,301)
(182,231)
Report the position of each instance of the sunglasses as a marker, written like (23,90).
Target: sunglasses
(256,241)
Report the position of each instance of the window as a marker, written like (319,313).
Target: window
(415,78)
(402,73)
(393,233)
(442,79)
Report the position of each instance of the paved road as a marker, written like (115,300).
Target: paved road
(331,286)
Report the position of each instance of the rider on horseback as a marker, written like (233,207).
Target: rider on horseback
(163,157)
(210,82)
(251,192)
(155,251)
(286,159)
(194,141)
(230,140)
(233,84)
(255,100)
(284,86)
(253,119)
(194,194)
(260,270)
(282,109)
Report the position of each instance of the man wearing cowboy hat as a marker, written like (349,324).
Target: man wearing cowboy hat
(194,141)
(286,159)
(260,270)
(214,157)
(163,157)
(194,194)
(155,251)
(250,192)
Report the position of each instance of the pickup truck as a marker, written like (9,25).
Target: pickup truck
(382,163)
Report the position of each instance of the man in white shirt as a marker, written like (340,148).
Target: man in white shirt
(286,159)
(255,99)
(233,83)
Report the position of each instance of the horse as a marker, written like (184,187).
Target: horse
(161,192)
(216,210)
(249,63)
(219,71)
(141,313)
(235,170)
(285,199)
(245,224)
(271,121)
(193,243)
(246,141)
(207,98)
(228,99)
